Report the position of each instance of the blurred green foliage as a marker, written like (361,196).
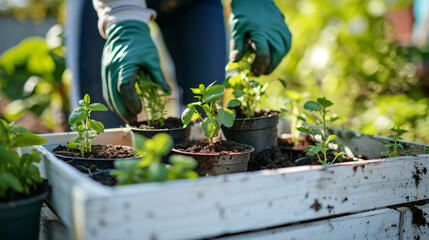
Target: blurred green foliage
(33,76)
(345,50)
(33,10)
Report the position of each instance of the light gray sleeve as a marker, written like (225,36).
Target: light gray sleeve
(113,11)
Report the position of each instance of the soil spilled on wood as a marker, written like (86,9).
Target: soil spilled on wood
(419,217)
(216,147)
(169,123)
(316,205)
(109,151)
(418,174)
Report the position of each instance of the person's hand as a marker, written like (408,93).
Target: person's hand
(260,25)
(128,50)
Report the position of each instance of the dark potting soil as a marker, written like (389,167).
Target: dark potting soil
(286,154)
(169,123)
(39,189)
(303,143)
(105,178)
(109,151)
(216,147)
(259,113)
(270,158)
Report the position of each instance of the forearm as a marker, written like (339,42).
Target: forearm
(113,11)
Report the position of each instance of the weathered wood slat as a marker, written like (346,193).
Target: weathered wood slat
(378,224)
(213,206)
(419,229)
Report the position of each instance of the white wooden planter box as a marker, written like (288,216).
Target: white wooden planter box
(295,198)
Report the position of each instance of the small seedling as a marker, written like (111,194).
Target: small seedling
(247,92)
(18,174)
(86,128)
(153,99)
(215,116)
(149,168)
(392,148)
(321,147)
(293,99)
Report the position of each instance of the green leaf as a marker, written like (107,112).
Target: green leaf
(213,93)
(331,138)
(227,117)
(187,115)
(235,82)
(304,130)
(211,84)
(194,104)
(163,143)
(234,103)
(157,172)
(226,82)
(97,107)
(312,150)
(71,145)
(12,181)
(139,143)
(237,94)
(25,139)
(398,131)
(196,91)
(209,127)
(206,109)
(78,115)
(96,125)
(316,132)
(312,106)
(183,161)
(254,84)
(283,82)
(87,99)
(324,102)
(77,139)
(15,129)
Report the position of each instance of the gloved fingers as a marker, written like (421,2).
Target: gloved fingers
(157,76)
(278,51)
(279,46)
(127,89)
(112,97)
(236,49)
(261,49)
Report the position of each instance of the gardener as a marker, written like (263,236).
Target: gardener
(194,34)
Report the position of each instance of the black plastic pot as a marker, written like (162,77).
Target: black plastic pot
(179,135)
(20,219)
(87,165)
(258,132)
(212,164)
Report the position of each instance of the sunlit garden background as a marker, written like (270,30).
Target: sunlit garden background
(363,55)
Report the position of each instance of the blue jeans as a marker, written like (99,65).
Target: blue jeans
(194,35)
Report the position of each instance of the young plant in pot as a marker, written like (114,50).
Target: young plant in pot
(79,151)
(219,157)
(291,141)
(22,190)
(149,167)
(154,100)
(255,128)
(325,151)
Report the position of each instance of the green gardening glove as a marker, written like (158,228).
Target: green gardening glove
(260,25)
(128,50)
